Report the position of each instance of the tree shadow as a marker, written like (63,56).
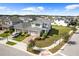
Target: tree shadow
(53,31)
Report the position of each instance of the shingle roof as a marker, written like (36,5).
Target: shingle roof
(22,25)
(42,20)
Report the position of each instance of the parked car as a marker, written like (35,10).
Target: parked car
(16,34)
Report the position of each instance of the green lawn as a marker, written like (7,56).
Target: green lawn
(21,37)
(10,43)
(6,33)
(56,33)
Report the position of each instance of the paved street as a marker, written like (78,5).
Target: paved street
(9,51)
(73,49)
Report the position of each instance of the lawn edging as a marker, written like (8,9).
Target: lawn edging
(11,43)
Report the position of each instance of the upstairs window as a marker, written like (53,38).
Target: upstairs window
(37,24)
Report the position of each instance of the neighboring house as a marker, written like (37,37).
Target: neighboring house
(59,22)
(22,27)
(35,27)
(25,19)
(8,21)
(63,21)
(5,23)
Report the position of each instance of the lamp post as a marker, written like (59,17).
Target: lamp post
(9,34)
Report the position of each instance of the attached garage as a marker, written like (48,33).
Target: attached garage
(33,33)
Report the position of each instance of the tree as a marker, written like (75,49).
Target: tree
(31,44)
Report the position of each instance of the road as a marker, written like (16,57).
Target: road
(73,49)
(9,51)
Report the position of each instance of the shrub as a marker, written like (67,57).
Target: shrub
(6,32)
(27,35)
(38,38)
(11,30)
(66,38)
(33,51)
(44,35)
(31,44)
(74,29)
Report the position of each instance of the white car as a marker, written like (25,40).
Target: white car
(15,34)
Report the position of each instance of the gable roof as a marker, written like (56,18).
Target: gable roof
(22,25)
(41,21)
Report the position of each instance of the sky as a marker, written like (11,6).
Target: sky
(69,9)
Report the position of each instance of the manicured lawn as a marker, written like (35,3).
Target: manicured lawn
(21,37)
(6,33)
(10,43)
(56,33)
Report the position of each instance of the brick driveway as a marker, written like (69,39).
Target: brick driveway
(28,38)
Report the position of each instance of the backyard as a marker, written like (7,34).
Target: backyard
(54,34)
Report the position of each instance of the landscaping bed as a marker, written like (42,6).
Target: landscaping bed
(6,33)
(33,51)
(55,33)
(21,37)
(56,48)
(30,48)
(10,43)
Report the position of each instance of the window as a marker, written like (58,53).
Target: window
(44,25)
(37,24)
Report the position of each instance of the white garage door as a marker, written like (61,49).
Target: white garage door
(33,33)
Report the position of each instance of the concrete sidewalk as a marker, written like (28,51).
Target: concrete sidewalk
(73,49)
(20,45)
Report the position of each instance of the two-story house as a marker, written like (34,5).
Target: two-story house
(8,21)
(38,26)
(35,27)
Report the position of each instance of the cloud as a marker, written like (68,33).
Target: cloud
(4,8)
(34,9)
(71,7)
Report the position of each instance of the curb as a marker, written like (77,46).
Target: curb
(20,49)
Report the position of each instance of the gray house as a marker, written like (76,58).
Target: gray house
(8,21)
(35,27)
